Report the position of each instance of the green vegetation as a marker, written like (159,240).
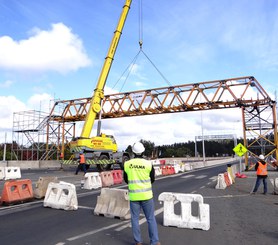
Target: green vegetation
(187,149)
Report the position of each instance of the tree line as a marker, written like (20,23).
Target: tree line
(213,148)
(187,149)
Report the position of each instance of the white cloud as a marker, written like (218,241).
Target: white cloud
(108,90)
(8,105)
(42,102)
(57,50)
(6,84)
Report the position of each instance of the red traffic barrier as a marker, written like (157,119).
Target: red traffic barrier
(171,170)
(117,176)
(227,179)
(162,161)
(15,191)
(164,170)
(106,179)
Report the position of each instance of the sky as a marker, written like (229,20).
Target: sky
(54,50)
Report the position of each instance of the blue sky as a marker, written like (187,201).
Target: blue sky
(55,50)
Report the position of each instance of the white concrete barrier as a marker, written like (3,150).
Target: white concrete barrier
(177,168)
(188,167)
(61,195)
(113,203)
(12,173)
(158,171)
(221,183)
(92,181)
(155,162)
(274,182)
(185,219)
(2,173)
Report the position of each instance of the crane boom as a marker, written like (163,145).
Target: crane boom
(95,105)
(101,149)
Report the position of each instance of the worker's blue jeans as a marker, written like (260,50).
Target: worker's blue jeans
(148,209)
(258,182)
(81,166)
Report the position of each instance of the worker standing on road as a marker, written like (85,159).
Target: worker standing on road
(82,163)
(139,174)
(261,168)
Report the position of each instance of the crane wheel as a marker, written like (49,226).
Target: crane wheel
(104,167)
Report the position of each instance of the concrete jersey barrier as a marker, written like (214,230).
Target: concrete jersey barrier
(113,203)
(61,195)
(185,219)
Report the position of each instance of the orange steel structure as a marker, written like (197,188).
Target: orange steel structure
(258,109)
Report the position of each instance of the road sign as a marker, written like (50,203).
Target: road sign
(240,149)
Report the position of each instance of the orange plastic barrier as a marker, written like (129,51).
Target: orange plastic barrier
(164,170)
(162,161)
(106,179)
(117,176)
(17,191)
(227,179)
(171,170)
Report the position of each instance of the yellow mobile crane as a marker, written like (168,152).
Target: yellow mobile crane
(101,149)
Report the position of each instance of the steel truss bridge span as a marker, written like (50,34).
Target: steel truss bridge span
(258,110)
(221,94)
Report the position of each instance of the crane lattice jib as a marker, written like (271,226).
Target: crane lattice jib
(95,104)
(220,94)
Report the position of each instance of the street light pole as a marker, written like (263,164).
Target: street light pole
(203,142)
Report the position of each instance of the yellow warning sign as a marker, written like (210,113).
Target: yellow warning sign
(240,149)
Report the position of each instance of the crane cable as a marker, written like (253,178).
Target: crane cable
(140,21)
(131,65)
(141,41)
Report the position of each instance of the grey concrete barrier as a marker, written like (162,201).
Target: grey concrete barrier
(113,203)
(42,185)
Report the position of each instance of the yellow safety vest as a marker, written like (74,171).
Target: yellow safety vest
(139,182)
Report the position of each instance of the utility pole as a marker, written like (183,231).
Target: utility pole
(203,141)
(5,148)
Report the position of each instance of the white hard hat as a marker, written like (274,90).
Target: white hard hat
(138,148)
(261,157)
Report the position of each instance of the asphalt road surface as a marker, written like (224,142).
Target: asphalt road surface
(236,217)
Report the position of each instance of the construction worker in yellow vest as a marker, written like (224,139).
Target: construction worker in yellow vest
(261,168)
(139,174)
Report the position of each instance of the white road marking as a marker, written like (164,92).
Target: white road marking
(188,176)
(201,177)
(85,207)
(95,231)
(142,221)
(175,175)
(214,178)
(227,196)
